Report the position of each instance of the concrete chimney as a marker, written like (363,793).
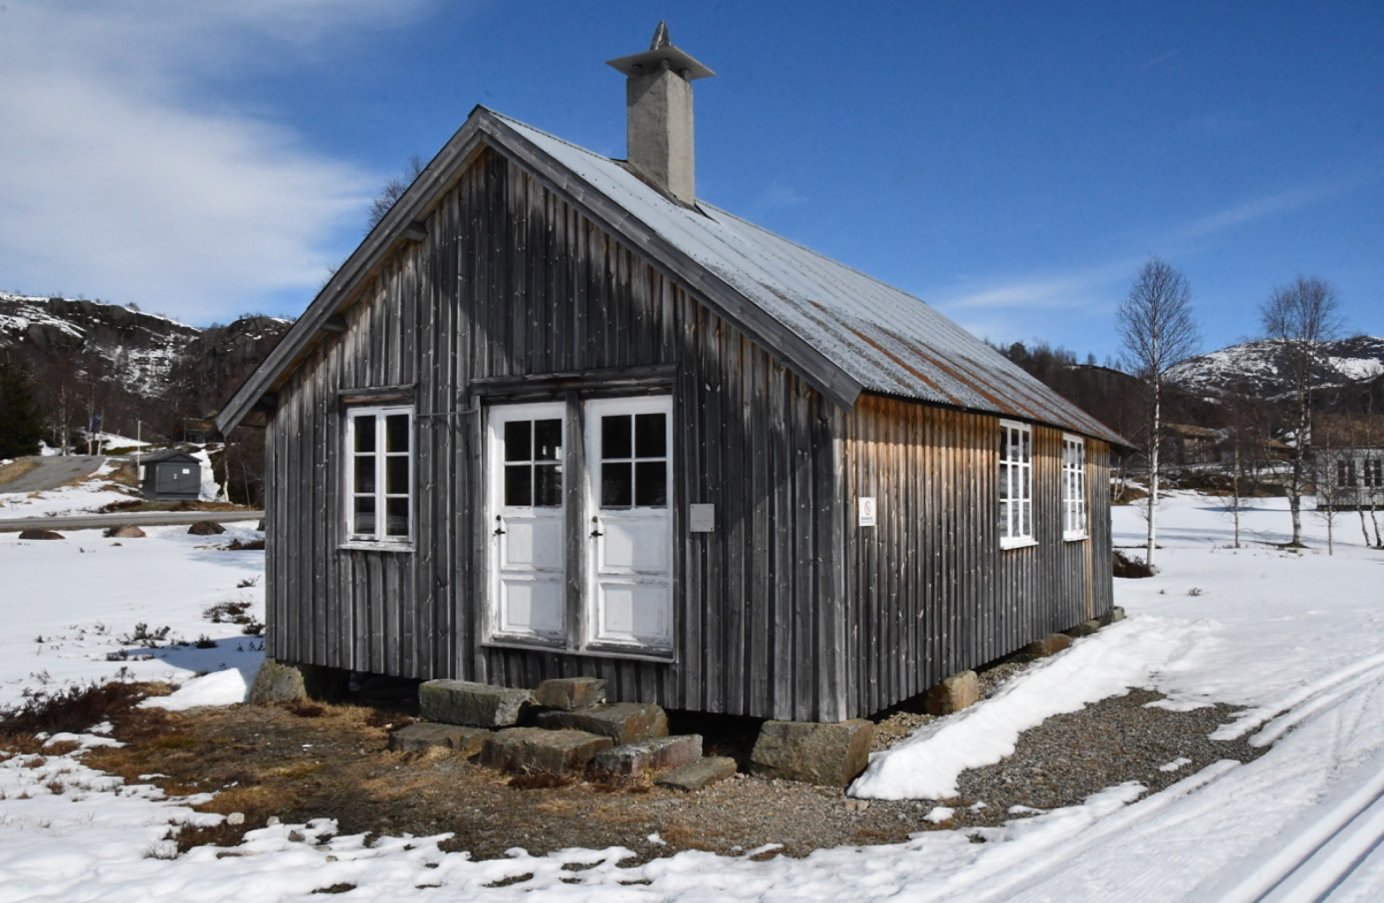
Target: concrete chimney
(658,108)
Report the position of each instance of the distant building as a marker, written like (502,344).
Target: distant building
(1349,478)
(172,474)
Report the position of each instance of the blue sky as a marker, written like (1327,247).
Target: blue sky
(1011,163)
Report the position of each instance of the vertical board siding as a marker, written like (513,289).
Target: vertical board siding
(930,588)
(511,281)
(787,610)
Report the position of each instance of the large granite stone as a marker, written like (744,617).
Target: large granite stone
(622,722)
(656,754)
(277,681)
(570,693)
(533,750)
(829,754)
(699,774)
(471,704)
(953,694)
(1051,644)
(424,735)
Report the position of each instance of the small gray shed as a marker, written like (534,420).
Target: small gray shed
(172,474)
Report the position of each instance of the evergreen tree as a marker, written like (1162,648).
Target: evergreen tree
(21,422)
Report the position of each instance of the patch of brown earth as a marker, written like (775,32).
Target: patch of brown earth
(310,760)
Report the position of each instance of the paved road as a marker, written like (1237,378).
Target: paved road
(139,519)
(52,472)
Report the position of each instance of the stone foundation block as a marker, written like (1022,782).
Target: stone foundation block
(827,754)
(465,740)
(471,704)
(40,534)
(1112,616)
(570,693)
(957,692)
(658,754)
(622,722)
(533,750)
(699,774)
(1085,628)
(277,681)
(1051,644)
(206,528)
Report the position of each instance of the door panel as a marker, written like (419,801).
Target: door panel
(527,598)
(629,599)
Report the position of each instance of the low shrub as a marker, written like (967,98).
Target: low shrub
(72,709)
(1131,568)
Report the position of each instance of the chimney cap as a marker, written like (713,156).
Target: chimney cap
(661,51)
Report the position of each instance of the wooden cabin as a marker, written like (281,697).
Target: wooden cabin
(556,417)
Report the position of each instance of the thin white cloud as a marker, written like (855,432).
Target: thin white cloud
(1251,211)
(120,179)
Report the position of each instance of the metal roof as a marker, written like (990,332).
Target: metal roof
(845,331)
(886,340)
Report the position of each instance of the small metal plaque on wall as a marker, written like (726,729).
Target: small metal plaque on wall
(702,518)
(866,511)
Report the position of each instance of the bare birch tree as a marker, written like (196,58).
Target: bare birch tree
(1302,316)
(1156,331)
(393,189)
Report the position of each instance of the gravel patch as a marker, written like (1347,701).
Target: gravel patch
(314,760)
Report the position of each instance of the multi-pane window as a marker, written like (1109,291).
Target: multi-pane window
(634,460)
(1374,472)
(1073,487)
(533,463)
(380,474)
(1016,484)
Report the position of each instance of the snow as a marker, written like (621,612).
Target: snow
(1295,639)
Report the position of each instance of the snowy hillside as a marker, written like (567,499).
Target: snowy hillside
(91,357)
(1257,367)
(133,349)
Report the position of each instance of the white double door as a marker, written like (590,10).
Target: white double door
(617,593)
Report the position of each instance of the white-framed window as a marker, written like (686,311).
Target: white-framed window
(379,474)
(1073,487)
(1016,485)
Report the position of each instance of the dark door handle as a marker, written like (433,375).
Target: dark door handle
(499,528)
(596,532)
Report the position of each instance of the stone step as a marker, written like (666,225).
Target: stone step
(656,754)
(570,693)
(622,722)
(534,750)
(472,704)
(698,774)
(424,735)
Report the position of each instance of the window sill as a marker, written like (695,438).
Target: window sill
(1075,537)
(533,644)
(366,545)
(1022,542)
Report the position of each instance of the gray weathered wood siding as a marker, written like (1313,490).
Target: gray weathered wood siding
(511,281)
(787,610)
(929,590)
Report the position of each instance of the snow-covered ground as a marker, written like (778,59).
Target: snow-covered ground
(1293,638)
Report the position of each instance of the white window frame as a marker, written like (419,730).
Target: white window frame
(1016,475)
(378,539)
(1074,488)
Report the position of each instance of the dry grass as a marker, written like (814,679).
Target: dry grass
(16,469)
(142,505)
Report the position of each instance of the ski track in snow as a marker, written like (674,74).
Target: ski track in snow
(1293,639)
